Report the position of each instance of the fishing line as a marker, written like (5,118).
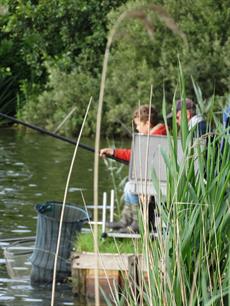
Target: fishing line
(63,138)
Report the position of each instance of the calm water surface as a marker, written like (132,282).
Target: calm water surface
(34,169)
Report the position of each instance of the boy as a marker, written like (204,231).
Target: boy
(146,121)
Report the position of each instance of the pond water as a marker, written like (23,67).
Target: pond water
(34,169)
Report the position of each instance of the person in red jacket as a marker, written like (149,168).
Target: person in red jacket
(145,119)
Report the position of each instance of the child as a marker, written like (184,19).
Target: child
(146,121)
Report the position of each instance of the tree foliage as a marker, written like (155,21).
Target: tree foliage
(138,61)
(66,34)
(48,45)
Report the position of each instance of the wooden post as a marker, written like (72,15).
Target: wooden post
(111,205)
(104,211)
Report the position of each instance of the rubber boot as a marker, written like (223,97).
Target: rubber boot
(126,218)
(133,227)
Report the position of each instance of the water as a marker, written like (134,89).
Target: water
(34,169)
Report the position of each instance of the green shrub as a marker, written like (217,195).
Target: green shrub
(64,92)
(70,35)
(137,61)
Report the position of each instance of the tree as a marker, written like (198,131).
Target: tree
(137,61)
(64,33)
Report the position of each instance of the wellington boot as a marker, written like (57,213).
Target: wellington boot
(130,229)
(133,226)
(126,218)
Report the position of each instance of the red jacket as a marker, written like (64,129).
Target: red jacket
(125,154)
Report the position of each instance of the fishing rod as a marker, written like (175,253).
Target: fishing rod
(63,138)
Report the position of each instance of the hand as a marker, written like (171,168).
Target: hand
(106,151)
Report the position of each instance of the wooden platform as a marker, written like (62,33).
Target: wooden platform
(113,271)
(130,236)
(114,234)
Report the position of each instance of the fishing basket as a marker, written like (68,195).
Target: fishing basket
(43,256)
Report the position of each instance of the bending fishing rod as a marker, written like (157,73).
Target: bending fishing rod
(63,138)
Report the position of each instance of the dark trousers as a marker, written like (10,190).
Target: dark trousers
(152,213)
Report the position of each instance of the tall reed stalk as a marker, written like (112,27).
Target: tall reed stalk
(63,206)
(140,14)
(188,264)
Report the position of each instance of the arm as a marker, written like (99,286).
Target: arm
(122,154)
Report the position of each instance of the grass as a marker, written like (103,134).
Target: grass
(85,243)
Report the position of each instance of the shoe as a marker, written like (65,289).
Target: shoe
(126,218)
(130,229)
(115,225)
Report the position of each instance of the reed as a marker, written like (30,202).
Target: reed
(118,176)
(138,13)
(189,262)
(63,206)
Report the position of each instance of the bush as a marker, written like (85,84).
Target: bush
(64,92)
(70,35)
(137,61)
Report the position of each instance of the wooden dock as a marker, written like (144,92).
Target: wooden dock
(114,271)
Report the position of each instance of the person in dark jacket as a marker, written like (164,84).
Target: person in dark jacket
(195,121)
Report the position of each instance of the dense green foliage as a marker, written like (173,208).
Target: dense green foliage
(54,50)
(137,61)
(39,34)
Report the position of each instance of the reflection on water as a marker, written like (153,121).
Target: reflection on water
(20,293)
(34,169)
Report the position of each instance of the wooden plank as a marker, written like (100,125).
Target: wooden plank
(131,236)
(79,281)
(123,235)
(99,207)
(117,262)
(94,222)
(109,283)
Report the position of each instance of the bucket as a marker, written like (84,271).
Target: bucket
(43,256)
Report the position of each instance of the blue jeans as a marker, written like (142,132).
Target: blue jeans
(129,197)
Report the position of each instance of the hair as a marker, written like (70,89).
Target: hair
(190,106)
(193,111)
(145,113)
